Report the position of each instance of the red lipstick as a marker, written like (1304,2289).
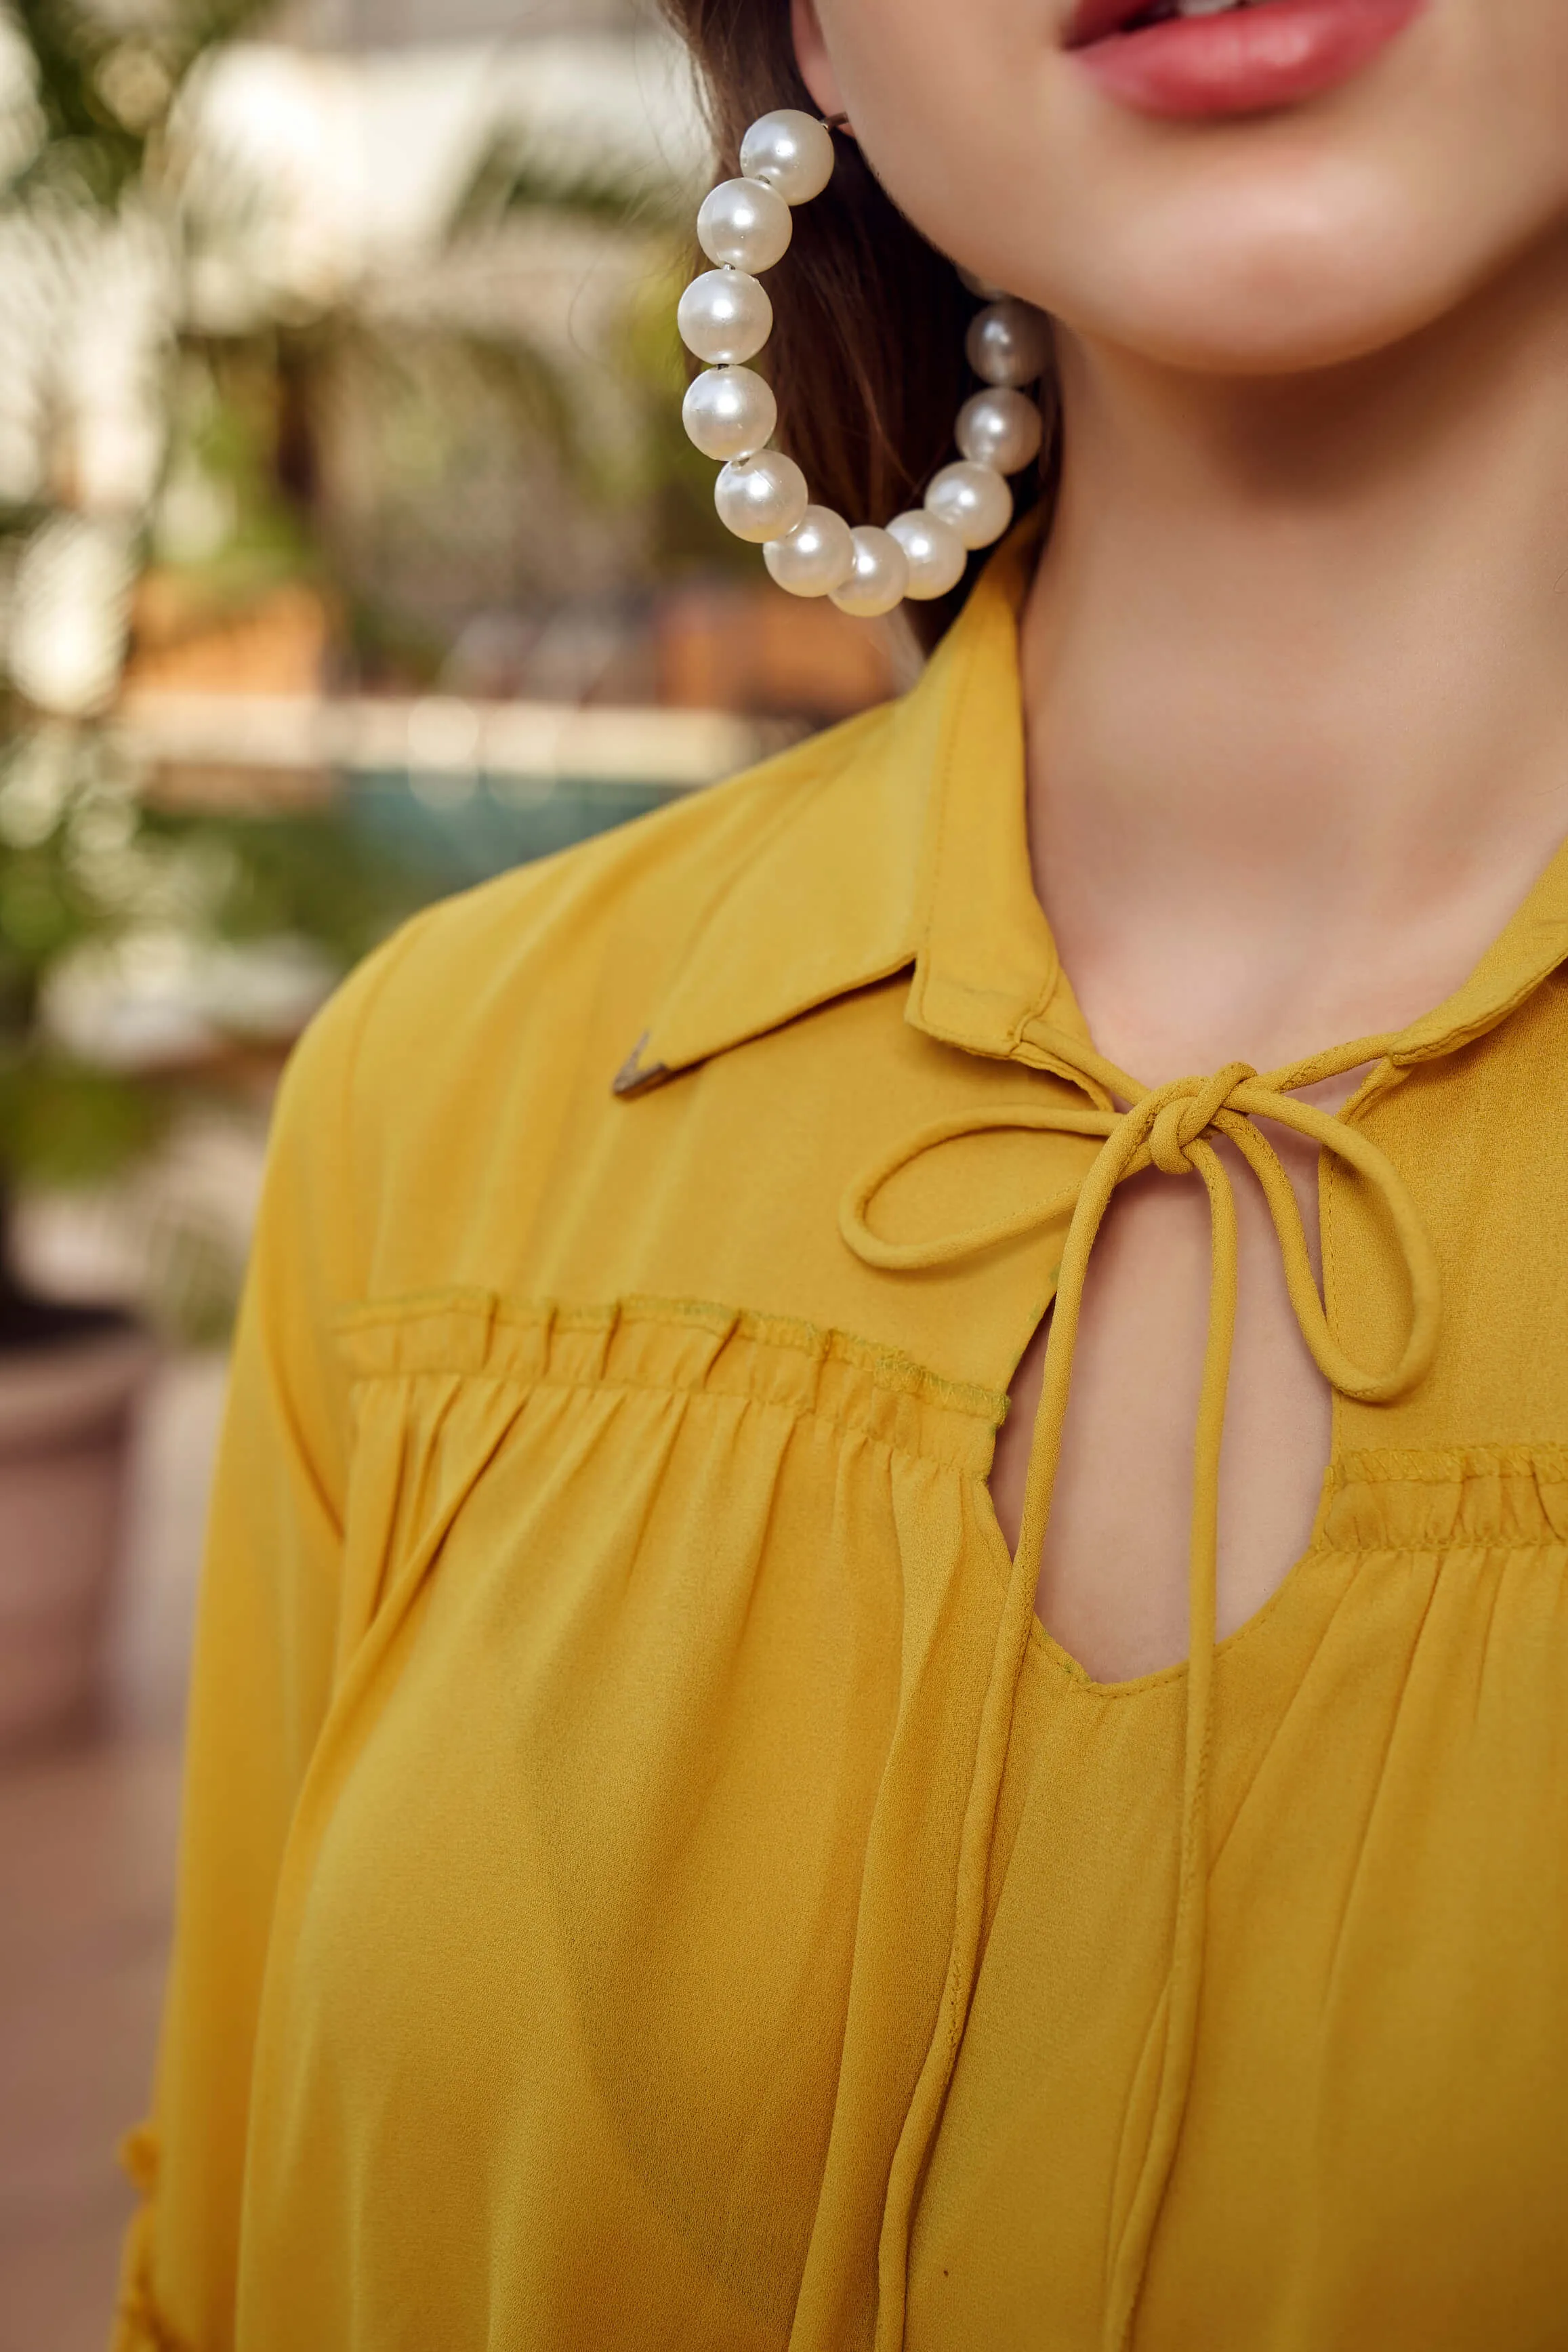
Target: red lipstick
(1242,60)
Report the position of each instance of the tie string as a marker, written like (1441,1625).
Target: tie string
(1160,1131)
(1172,1129)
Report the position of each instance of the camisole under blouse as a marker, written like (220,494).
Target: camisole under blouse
(648,1878)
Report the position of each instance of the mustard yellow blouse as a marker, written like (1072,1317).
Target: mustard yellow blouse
(648,1880)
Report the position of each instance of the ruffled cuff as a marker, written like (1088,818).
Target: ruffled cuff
(139,2325)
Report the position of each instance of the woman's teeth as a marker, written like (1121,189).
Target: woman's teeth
(1197,8)
(1166,12)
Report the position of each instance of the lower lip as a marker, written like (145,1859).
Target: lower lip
(1249,61)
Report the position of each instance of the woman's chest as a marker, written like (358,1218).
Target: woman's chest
(619,1925)
(1372,2156)
(623,1948)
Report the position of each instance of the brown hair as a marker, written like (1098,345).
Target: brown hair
(867,354)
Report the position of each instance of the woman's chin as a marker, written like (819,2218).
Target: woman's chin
(1220,305)
(1256,343)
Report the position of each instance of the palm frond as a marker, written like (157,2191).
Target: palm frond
(103,92)
(514,177)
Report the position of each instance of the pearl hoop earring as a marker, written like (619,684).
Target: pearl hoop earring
(729,412)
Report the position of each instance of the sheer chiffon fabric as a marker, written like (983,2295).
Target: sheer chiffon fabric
(599,1728)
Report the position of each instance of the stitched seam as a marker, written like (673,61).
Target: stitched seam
(1460,1545)
(1455,1474)
(369,1315)
(610,1385)
(540,1384)
(891,1370)
(1443,1465)
(1068,1665)
(1448,1042)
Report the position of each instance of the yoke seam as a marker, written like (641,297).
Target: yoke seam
(532,1384)
(891,1370)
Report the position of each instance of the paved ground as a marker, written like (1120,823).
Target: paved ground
(87,1838)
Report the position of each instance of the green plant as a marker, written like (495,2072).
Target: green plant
(97,143)
(88,867)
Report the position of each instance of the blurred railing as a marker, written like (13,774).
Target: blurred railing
(458,789)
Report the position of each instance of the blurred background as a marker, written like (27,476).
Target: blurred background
(350,553)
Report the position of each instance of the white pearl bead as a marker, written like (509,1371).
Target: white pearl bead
(1010,343)
(744,224)
(814,559)
(724,315)
(1001,428)
(728,412)
(974,499)
(761,498)
(933,552)
(792,152)
(879,579)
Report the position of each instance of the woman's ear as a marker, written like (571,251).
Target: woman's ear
(811,55)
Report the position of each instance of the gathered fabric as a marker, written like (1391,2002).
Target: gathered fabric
(648,1876)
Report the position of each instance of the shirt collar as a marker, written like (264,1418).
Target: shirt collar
(1527,951)
(897,841)
(901,842)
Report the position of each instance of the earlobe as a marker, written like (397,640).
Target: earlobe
(811,55)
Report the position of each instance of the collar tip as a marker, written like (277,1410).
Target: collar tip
(637,1077)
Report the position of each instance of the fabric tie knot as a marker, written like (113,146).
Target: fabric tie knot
(1192,1106)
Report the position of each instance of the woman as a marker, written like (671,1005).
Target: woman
(657,1871)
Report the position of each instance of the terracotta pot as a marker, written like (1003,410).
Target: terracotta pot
(66,1420)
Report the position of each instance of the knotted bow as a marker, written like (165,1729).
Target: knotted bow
(1169,1128)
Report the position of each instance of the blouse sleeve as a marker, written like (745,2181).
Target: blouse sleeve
(266,1633)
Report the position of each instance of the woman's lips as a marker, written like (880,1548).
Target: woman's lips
(1247,60)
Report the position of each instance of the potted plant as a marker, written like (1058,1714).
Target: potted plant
(91,209)
(93,868)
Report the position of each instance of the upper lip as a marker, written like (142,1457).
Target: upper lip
(1095,20)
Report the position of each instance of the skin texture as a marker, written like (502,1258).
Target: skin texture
(1295,660)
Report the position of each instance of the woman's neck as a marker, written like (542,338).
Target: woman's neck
(1296,682)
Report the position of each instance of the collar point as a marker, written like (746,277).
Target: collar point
(635,1076)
